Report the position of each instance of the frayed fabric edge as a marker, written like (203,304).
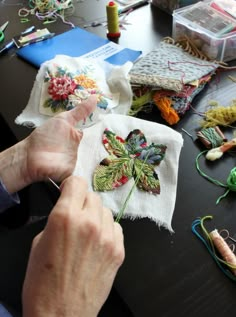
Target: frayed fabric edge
(159,223)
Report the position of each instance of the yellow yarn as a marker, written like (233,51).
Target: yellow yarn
(220,115)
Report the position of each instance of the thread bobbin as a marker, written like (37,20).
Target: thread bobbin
(112,20)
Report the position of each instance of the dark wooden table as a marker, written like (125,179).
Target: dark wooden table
(163,274)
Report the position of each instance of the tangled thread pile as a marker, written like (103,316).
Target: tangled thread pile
(49,10)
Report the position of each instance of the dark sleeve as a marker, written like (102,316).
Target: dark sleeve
(7,200)
(4,312)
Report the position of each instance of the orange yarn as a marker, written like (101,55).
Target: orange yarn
(167,112)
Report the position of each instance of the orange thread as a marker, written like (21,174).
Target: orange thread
(167,112)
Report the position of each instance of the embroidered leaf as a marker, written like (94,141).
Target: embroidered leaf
(148,179)
(135,141)
(112,172)
(114,144)
(155,152)
(129,158)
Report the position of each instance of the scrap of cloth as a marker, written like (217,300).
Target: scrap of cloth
(142,204)
(169,67)
(63,82)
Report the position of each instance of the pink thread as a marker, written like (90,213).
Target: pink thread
(183,73)
(223,249)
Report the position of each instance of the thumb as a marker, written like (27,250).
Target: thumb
(81,112)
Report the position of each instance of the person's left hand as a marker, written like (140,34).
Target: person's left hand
(49,151)
(52,148)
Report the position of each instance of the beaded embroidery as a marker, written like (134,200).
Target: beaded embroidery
(129,158)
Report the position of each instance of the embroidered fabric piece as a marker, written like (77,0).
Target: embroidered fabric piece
(64,90)
(63,82)
(169,67)
(129,158)
(66,84)
(158,208)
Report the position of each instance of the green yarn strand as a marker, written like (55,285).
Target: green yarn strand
(231,180)
(212,180)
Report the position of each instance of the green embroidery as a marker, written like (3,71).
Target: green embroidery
(129,158)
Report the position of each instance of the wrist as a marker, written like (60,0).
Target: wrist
(13,163)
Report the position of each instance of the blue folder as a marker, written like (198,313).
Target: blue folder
(74,43)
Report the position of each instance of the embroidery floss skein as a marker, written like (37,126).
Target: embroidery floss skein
(211,137)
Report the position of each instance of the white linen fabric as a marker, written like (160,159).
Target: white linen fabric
(111,80)
(91,152)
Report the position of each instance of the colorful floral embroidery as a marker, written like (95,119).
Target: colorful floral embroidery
(129,158)
(67,89)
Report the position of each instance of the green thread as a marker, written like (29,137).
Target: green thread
(122,210)
(231,180)
(211,135)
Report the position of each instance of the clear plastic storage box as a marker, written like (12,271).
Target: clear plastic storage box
(209,30)
(170,5)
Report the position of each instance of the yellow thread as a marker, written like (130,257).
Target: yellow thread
(112,19)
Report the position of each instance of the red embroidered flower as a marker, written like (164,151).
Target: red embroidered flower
(61,87)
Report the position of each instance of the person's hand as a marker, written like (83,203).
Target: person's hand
(49,151)
(73,262)
(52,148)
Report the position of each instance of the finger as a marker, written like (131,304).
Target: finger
(73,193)
(93,202)
(91,217)
(82,111)
(108,222)
(119,240)
(36,240)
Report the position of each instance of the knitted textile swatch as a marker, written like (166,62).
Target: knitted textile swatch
(169,67)
(142,204)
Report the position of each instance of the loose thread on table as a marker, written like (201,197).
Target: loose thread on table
(48,10)
(190,135)
(230,183)
(225,266)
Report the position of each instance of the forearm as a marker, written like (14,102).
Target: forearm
(13,163)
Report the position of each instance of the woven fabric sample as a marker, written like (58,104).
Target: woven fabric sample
(169,67)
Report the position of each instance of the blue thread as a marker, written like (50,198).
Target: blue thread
(197,222)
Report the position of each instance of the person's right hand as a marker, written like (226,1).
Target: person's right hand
(73,262)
